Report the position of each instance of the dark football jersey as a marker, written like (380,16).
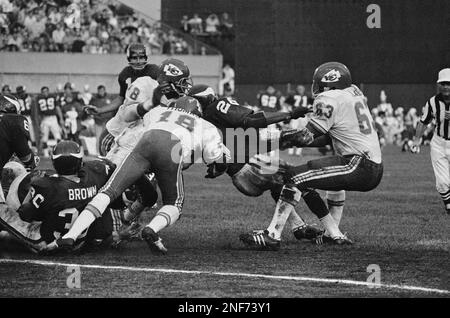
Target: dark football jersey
(297,100)
(269,102)
(228,116)
(129,75)
(46,105)
(25,105)
(14,137)
(57,201)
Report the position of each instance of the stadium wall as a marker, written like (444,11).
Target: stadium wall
(35,70)
(280,42)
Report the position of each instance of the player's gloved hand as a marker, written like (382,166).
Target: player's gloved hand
(300,111)
(90,110)
(295,138)
(215,169)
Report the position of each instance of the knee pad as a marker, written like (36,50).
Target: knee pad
(336,198)
(170,212)
(290,194)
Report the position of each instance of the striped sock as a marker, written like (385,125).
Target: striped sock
(446,198)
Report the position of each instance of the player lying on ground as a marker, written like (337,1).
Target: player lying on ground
(251,173)
(41,207)
(339,110)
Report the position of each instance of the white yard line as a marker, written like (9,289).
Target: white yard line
(231,274)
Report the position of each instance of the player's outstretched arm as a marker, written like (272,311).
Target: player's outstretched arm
(263,119)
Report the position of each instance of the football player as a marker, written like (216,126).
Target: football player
(51,118)
(14,135)
(172,133)
(254,173)
(341,112)
(137,67)
(53,202)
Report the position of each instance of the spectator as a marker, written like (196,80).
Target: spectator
(226,26)
(58,36)
(154,42)
(227,78)
(78,44)
(212,24)
(196,24)
(184,24)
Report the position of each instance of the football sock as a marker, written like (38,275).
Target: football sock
(133,211)
(330,225)
(282,212)
(296,220)
(336,200)
(446,198)
(83,221)
(315,203)
(166,216)
(289,197)
(92,211)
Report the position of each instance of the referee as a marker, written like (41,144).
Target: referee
(438,109)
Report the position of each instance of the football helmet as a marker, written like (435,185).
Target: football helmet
(9,104)
(331,75)
(204,94)
(67,157)
(188,104)
(174,78)
(137,56)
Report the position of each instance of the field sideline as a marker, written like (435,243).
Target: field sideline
(400,227)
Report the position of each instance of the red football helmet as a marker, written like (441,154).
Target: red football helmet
(331,75)
(137,56)
(174,78)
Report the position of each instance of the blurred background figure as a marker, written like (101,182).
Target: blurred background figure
(227,78)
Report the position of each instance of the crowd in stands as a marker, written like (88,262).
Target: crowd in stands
(210,25)
(87,26)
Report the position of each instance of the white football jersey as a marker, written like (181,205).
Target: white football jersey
(139,92)
(197,135)
(345,116)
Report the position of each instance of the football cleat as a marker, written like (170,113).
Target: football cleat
(153,240)
(338,240)
(130,231)
(307,232)
(261,240)
(61,244)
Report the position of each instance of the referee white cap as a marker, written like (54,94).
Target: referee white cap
(444,75)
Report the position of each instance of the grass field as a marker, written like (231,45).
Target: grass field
(400,226)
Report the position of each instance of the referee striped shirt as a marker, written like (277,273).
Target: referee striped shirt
(438,110)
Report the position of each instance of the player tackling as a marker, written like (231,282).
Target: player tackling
(339,110)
